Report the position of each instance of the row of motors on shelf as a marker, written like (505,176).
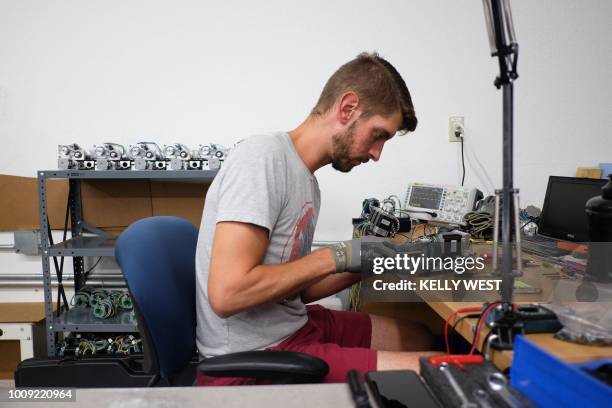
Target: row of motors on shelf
(141,156)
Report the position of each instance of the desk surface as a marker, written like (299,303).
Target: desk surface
(567,351)
(540,276)
(264,396)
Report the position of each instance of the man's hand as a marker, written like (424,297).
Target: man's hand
(347,254)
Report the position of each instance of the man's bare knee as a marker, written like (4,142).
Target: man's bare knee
(402,360)
(395,335)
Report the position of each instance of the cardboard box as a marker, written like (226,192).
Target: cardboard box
(115,204)
(30,342)
(183,199)
(19,203)
(588,172)
(110,205)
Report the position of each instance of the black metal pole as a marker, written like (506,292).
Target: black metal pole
(507,209)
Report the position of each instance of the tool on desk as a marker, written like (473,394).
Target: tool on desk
(400,388)
(469,379)
(456,359)
(465,402)
(536,318)
(482,398)
(358,391)
(499,385)
(521,287)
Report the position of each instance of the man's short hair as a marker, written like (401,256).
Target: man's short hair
(380,87)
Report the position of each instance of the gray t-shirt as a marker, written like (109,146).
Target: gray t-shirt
(263,182)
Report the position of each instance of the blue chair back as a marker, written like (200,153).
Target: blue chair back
(157,257)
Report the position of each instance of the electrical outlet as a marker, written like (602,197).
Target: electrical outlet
(455,124)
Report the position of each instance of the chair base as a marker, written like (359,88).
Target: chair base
(94,372)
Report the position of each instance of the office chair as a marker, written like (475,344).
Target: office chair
(157,257)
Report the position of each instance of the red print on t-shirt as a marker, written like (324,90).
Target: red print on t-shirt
(301,236)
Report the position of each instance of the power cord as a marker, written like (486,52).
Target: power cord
(450,318)
(462,162)
(86,273)
(456,325)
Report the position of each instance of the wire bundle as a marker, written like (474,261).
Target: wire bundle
(86,345)
(104,309)
(104,303)
(479,224)
(482,321)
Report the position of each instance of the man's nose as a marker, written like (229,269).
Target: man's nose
(376,151)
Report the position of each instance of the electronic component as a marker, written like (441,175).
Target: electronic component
(380,218)
(73,156)
(80,345)
(141,156)
(440,204)
(383,222)
(178,156)
(208,157)
(147,156)
(535,318)
(111,156)
(104,303)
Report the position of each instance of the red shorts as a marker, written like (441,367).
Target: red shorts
(342,339)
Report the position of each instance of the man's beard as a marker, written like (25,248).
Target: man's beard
(341,147)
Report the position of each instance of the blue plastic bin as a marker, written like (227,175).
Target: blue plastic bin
(550,382)
(606,169)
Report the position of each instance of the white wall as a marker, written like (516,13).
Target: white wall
(198,72)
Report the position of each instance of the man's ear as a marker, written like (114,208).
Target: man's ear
(348,107)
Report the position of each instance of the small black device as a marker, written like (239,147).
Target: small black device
(535,319)
(401,388)
(563,213)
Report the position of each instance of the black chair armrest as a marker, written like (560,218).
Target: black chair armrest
(277,366)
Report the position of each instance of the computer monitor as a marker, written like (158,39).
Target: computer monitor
(563,213)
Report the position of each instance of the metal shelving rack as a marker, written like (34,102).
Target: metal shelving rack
(77,246)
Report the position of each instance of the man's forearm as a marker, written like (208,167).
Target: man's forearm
(329,285)
(265,284)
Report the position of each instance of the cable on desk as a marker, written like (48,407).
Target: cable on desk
(456,324)
(479,224)
(450,317)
